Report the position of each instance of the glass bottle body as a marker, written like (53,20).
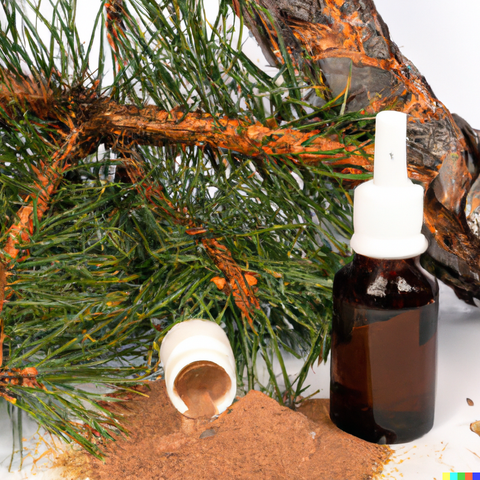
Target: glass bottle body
(384,347)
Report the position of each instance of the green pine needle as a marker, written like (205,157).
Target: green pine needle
(111,267)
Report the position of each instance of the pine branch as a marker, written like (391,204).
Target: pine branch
(37,205)
(152,126)
(236,281)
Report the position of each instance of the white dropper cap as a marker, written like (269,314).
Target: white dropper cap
(388,210)
(194,341)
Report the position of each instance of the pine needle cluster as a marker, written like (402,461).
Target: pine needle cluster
(115,227)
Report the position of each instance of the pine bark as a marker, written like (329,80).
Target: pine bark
(343,36)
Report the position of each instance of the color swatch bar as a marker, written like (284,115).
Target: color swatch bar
(461,476)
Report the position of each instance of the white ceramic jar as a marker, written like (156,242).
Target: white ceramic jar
(199,368)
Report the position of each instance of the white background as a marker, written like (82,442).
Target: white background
(442,38)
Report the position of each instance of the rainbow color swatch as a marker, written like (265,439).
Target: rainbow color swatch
(461,476)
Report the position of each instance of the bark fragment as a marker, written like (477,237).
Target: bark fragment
(343,37)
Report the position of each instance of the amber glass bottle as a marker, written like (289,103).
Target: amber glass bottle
(384,342)
(384,332)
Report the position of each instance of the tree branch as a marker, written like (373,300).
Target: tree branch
(48,179)
(151,125)
(238,285)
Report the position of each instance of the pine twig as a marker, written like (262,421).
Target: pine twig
(151,125)
(48,180)
(235,281)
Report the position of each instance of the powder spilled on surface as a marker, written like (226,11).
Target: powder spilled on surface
(255,438)
(202,385)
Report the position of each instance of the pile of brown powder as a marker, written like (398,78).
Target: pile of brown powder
(255,438)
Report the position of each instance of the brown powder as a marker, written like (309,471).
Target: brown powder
(202,386)
(255,438)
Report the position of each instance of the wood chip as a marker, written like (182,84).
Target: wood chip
(475,427)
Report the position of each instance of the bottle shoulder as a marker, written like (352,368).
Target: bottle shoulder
(385,284)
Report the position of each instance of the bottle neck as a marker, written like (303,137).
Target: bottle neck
(369,262)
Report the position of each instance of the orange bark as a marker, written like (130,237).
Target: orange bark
(16,376)
(345,39)
(237,282)
(156,126)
